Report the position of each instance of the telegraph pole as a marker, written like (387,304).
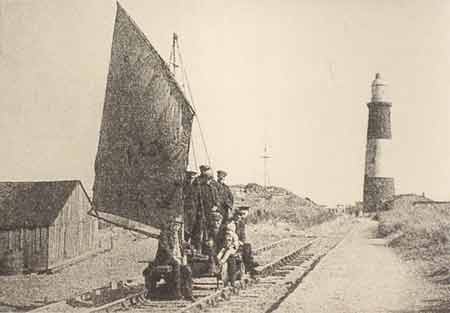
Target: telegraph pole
(266,158)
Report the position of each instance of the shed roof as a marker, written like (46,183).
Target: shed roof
(403,201)
(33,204)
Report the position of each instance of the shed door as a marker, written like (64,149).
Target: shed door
(27,244)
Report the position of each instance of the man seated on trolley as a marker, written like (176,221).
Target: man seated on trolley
(239,219)
(228,258)
(170,264)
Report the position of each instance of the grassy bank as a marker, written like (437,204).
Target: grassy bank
(419,230)
(278,205)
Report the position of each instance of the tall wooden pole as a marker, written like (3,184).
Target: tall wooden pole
(265,158)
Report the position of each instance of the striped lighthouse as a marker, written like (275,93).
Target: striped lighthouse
(378,180)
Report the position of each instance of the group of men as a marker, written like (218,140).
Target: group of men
(209,216)
(212,227)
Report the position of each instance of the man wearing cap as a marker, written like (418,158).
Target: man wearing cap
(215,219)
(199,227)
(190,213)
(169,253)
(206,201)
(247,254)
(240,221)
(225,195)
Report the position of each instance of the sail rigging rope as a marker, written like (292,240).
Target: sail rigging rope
(194,154)
(185,78)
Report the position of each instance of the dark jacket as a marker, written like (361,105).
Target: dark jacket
(190,208)
(206,194)
(226,197)
(241,230)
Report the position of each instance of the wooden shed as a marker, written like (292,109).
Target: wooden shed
(44,224)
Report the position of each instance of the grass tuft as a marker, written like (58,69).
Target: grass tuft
(420,230)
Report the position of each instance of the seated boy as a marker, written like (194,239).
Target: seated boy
(227,256)
(247,254)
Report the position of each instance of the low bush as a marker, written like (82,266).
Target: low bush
(420,231)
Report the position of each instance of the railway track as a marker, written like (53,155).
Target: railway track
(203,287)
(286,263)
(260,294)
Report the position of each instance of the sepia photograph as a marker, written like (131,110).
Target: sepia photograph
(240,156)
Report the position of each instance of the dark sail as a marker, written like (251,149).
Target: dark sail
(145,132)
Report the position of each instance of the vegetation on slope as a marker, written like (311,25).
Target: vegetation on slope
(277,204)
(420,230)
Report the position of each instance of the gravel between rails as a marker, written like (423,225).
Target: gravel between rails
(266,292)
(270,291)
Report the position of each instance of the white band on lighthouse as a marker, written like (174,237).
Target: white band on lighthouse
(379,158)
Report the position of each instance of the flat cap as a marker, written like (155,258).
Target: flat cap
(242,210)
(221,173)
(204,168)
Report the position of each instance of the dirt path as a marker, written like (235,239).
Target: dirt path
(360,275)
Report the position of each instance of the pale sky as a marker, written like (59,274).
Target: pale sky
(294,74)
